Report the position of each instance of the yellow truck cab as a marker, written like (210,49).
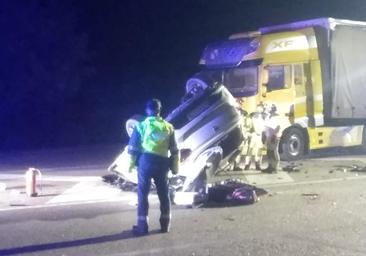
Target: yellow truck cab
(313,71)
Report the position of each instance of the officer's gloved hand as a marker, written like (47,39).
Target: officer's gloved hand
(131,169)
(132,163)
(174,164)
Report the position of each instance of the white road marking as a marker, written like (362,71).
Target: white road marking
(87,191)
(11,176)
(348,158)
(69,198)
(111,194)
(52,177)
(264,179)
(72,178)
(319,181)
(2,186)
(120,199)
(96,191)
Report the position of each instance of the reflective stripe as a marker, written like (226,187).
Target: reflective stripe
(143,218)
(166,216)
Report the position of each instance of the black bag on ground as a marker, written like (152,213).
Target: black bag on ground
(232,192)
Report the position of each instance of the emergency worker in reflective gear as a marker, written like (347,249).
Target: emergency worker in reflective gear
(246,126)
(153,148)
(272,135)
(255,144)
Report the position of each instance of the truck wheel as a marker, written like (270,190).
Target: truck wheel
(292,146)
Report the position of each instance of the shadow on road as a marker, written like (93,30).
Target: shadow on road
(66,244)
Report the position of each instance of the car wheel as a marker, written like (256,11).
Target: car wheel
(131,122)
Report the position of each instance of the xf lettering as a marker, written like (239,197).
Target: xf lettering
(282,44)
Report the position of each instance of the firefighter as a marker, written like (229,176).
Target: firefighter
(149,147)
(246,126)
(255,143)
(272,135)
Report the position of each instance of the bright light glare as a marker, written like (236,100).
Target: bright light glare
(184,198)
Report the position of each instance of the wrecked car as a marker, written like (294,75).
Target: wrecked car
(208,133)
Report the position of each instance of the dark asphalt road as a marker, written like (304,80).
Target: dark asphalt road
(319,211)
(286,222)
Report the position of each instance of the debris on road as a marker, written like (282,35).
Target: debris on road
(115,180)
(233,192)
(349,168)
(229,218)
(340,168)
(357,168)
(292,167)
(311,196)
(227,192)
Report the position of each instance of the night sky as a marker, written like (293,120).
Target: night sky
(72,72)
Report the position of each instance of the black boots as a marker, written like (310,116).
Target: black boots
(164,225)
(269,169)
(258,166)
(140,229)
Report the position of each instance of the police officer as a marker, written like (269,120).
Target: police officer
(255,145)
(149,147)
(273,135)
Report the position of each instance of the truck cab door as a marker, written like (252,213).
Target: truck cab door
(279,89)
(303,94)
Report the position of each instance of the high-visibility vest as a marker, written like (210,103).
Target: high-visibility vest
(155,134)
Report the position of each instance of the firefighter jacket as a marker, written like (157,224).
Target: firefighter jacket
(256,133)
(258,124)
(246,126)
(154,136)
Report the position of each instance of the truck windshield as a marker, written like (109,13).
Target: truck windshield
(241,81)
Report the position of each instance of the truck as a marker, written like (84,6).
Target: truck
(313,71)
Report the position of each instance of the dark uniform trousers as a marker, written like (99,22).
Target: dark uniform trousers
(151,166)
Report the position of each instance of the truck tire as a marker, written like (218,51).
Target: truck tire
(292,145)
